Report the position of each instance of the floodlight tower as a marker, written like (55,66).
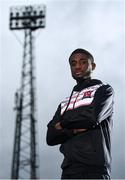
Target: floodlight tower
(25,156)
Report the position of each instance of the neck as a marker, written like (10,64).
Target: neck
(81,80)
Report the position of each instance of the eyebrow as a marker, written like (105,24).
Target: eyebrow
(73,60)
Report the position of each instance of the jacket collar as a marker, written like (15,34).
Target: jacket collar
(86,83)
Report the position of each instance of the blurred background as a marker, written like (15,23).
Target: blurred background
(96,25)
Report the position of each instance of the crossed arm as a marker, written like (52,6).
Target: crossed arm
(60,131)
(56,134)
(75,131)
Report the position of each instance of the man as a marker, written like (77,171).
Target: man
(82,123)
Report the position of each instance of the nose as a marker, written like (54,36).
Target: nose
(78,66)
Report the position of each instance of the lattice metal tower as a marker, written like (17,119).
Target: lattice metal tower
(25,156)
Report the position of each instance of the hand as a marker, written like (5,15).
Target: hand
(78,130)
(58,126)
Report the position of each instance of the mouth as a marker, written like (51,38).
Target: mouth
(78,73)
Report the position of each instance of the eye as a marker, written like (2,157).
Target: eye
(83,62)
(73,63)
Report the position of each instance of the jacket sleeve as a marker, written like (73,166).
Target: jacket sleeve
(90,116)
(55,136)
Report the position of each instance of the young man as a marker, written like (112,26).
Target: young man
(82,123)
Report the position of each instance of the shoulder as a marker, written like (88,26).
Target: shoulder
(105,89)
(106,86)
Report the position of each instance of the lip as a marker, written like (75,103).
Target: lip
(78,73)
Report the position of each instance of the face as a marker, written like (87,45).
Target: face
(81,66)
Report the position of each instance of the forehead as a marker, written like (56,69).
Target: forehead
(77,56)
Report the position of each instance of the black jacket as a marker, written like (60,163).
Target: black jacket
(90,106)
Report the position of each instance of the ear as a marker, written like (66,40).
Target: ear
(93,66)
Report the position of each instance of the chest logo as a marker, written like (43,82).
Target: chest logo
(79,98)
(87,94)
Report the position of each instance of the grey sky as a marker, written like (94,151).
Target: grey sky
(96,25)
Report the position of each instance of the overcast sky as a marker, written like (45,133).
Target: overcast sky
(96,25)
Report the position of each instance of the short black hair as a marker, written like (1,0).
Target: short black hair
(79,50)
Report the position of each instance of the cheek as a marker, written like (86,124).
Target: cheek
(88,68)
(72,69)
(85,68)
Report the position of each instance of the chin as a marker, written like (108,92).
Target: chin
(81,78)
(78,79)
